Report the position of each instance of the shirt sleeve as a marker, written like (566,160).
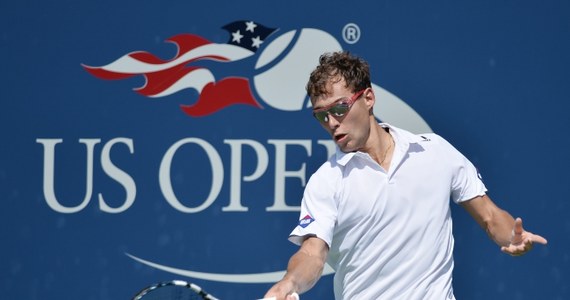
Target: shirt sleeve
(466,181)
(318,207)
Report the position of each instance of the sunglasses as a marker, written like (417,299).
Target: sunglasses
(337,109)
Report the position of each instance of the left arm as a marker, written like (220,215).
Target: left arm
(501,227)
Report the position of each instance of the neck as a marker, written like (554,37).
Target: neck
(382,146)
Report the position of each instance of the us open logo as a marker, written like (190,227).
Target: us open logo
(259,67)
(278,76)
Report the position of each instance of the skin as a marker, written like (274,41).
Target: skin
(358,130)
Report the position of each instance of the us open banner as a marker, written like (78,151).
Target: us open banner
(152,141)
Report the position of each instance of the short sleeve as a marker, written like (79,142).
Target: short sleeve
(319,206)
(466,180)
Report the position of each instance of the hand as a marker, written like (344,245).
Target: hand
(522,240)
(281,290)
(293,296)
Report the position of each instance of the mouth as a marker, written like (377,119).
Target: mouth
(339,137)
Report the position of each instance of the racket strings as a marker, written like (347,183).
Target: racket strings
(171,292)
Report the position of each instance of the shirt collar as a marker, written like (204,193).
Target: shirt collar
(402,139)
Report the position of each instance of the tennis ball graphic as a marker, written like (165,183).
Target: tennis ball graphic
(286,63)
(284,67)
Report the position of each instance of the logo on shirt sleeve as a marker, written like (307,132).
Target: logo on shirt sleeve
(479,174)
(306,221)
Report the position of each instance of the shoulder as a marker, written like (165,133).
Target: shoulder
(407,137)
(432,138)
(329,168)
(327,175)
(443,144)
(431,143)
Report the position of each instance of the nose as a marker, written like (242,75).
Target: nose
(332,123)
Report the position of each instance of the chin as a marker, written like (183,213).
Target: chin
(346,148)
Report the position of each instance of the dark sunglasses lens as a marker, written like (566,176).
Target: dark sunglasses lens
(339,110)
(321,116)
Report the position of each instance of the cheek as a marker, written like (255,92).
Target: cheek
(327,128)
(358,126)
(358,120)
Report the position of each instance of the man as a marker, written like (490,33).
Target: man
(378,211)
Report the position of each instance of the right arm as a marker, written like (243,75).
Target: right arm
(303,271)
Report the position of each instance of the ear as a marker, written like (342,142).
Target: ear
(369,98)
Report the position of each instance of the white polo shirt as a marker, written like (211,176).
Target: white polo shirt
(389,234)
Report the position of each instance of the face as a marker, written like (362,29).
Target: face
(345,115)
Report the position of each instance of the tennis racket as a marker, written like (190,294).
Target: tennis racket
(173,290)
(179,290)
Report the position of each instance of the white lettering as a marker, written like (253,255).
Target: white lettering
(259,164)
(235,170)
(49,174)
(217,175)
(118,175)
(281,173)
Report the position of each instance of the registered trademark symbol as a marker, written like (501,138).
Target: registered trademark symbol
(351,33)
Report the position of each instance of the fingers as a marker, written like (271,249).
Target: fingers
(293,296)
(520,233)
(518,249)
(517,233)
(283,290)
(518,228)
(538,239)
(522,241)
(512,252)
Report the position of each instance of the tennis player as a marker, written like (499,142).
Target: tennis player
(379,210)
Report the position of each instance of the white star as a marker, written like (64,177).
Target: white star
(256,42)
(250,26)
(236,37)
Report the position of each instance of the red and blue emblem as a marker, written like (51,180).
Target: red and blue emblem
(306,221)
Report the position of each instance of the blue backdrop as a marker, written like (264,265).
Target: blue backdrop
(112,179)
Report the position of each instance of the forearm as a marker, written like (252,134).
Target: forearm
(499,227)
(304,270)
(497,223)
